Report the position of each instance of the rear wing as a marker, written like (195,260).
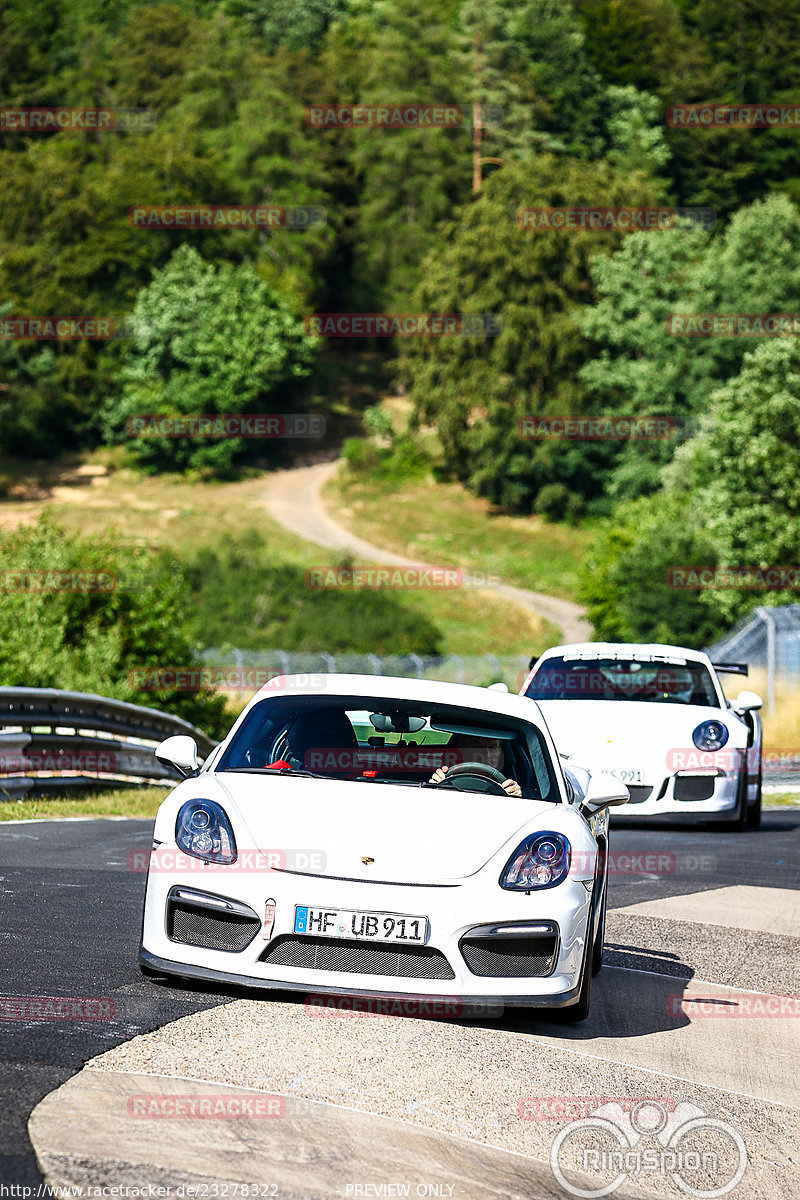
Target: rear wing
(731,668)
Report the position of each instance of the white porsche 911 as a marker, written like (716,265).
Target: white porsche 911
(657,718)
(373,837)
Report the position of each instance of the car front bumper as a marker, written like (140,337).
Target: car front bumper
(452,911)
(671,796)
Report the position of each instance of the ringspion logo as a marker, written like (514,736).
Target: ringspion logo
(678,1142)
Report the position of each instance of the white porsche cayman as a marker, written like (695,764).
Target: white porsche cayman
(657,718)
(370,837)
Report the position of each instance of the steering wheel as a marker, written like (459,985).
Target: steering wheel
(466,776)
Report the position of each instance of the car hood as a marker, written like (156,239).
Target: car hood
(618,733)
(415,835)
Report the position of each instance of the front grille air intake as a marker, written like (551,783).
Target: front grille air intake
(359,958)
(694,787)
(209,922)
(524,957)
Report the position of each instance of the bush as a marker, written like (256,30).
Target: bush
(243,598)
(92,641)
(625,578)
(206,340)
(405,459)
(555,502)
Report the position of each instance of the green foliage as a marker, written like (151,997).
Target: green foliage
(296,24)
(732,498)
(206,341)
(585,81)
(582,87)
(752,266)
(476,390)
(557,503)
(402,462)
(636,138)
(410,178)
(744,464)
(378,422)
(92,640)
(625,581)
(528,60)
(243,599)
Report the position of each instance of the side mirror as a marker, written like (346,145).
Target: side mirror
(747,702)
(604,791)
(498,687)
(180,752)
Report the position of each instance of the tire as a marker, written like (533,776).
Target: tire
(600,937)
(754,809)
(579,1009)
(739,823)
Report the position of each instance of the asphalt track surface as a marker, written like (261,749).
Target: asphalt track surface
(71,910)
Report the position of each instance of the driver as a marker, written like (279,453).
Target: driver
(327,729)
(488,751)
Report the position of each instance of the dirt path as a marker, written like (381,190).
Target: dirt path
(294,499)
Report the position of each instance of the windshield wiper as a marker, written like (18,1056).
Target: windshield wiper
(273,771)
(391,782)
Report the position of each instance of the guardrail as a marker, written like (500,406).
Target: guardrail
(52,740)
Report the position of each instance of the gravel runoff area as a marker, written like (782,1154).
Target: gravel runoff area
(740,958)
(456,1077)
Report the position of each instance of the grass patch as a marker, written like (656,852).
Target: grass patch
(120,802)
(444,524)
(782,799)
(98,495)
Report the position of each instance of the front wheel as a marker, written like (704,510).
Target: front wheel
(579,1009)
(739,823)
(754,809)
(599,941)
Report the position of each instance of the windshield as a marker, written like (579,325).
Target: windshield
(662,681)
(390,741)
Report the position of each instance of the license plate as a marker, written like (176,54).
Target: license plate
(627,774)
(363,926)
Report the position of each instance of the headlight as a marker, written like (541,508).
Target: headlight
(710,735)
(541,861)
(203,830)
